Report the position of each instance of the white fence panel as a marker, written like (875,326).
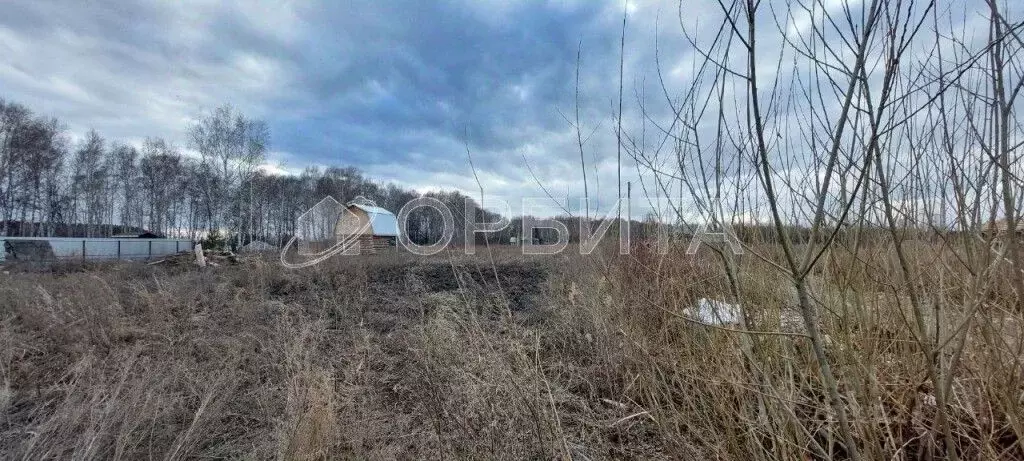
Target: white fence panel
(106,248)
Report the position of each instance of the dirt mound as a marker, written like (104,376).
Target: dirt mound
(214,258)
(518,283)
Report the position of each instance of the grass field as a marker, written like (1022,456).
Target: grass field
(491,356)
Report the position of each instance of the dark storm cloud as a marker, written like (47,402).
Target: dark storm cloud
(395,73)
(394,88)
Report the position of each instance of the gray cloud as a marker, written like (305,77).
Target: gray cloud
(395,88)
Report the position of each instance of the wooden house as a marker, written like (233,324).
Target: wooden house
(374,228)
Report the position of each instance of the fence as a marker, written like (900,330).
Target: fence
(65,248)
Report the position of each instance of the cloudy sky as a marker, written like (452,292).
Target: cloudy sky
(396,88)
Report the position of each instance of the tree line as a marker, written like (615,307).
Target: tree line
(51,186)
(96,187)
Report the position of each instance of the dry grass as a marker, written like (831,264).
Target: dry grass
(394,357)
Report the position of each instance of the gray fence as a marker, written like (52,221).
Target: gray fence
(67,248)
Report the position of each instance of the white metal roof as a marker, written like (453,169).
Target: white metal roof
(382,222)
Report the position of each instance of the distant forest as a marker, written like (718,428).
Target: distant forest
(52,187)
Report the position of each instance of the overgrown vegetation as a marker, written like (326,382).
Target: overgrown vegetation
(866,154)
(398,356)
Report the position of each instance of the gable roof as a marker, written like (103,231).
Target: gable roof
(382,222)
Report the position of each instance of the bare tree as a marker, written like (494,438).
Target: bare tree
(231,146)
(89,182)
(124,166)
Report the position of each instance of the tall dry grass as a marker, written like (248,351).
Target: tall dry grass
(573,357)
(726,393)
